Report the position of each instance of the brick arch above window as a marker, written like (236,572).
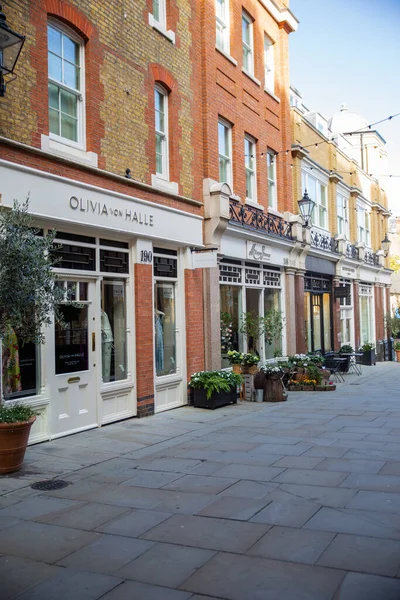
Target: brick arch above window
(163,77)
(71,16)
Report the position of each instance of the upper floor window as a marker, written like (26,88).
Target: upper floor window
(342,215)
(317,191)
(159,13)
(222,24)
(161,127)
(363,225)
(271,168)
(247,43)
(269,64)
(250,168)
(65,85)
(225,151)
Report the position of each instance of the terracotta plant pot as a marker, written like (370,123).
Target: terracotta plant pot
(13,442)
(398,355)
(236,368)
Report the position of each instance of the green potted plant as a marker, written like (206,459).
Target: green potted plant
(252,327)
(345,349)
(273,327)
(368,350)
(212,389)
(235,360)
(273,387)
(397,350)
(250,362)
(28,299)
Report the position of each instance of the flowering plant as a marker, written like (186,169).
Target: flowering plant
(215,381)
(226,331)
(308,381)
(234,357)
(250,359)
(366,347)
(272,369)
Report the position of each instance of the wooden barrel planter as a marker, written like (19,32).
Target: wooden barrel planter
(273,390)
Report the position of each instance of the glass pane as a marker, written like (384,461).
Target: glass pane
(55,68)
(71,75)
(71,291)
(164,326)
(323,195)
(245,31)
(223,170)
(54,40)
(222,139)
(316,317)
(312,188)
(83,291)
(322,214)
(71,50)
(53,96)
(221,9)
(307,319)
(71,340)
(156,10)
(19,367)
(253,307)
(327,322)
(69,103)
(249,185)
(273,315)
(230,306)
(159,153)
(69,128)
(54,121)
(113,330)
(246,59)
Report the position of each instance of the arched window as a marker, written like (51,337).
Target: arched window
(65,85)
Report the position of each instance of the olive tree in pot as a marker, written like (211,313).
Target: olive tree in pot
(28,300)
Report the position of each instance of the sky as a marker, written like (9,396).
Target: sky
(349,51)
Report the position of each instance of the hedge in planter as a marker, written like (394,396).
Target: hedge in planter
(212,389)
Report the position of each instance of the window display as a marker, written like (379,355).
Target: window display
(19,364)
(113,330)
(164,328)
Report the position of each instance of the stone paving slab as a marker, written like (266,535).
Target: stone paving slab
(357,586)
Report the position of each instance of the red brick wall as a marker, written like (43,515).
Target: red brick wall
(229,93)
(144,340)
(194,321)
(299,313)
(379,313)
(356,304)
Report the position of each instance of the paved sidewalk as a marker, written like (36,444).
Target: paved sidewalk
(291,501)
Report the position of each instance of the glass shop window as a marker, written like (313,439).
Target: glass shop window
(231,308)
(20,367)
(113,330)
(165,327)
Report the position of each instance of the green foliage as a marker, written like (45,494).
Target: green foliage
(15,413)
(313,372)
(367,346)
(215,381)
(252,325)
(272,369)
(226,325)
(28,296)
(346,349)
(397,346)
(234,357)
(393,324)
(273,325)
(394,262)
(250,359)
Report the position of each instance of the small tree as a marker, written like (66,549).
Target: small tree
(28,296)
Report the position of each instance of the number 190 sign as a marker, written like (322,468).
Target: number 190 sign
(146,257)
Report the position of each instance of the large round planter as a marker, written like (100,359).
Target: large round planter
(13,442)
(259,380)
(273,391)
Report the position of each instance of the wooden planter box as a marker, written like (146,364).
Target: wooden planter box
(369,357)
(273,391)
(330,388)
(320,388)
(308,388)
(217,399)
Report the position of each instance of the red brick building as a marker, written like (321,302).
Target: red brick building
(100,129)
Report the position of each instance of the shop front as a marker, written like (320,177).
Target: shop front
(121,266)
(318,304)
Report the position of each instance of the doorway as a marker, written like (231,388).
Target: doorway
(72,365)
(318,322)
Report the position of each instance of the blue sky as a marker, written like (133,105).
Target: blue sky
(349,51)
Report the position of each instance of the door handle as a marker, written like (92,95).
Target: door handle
(93,341)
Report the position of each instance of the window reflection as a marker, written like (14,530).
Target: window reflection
(113,330)
(164,328)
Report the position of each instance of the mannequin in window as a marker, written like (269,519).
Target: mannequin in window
(107,340)
(159,339)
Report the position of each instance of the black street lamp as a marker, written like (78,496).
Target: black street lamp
(386,245)
(10,47)
(306,206)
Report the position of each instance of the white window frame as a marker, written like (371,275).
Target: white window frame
(269,64)
(272,182)
(81,104)
(226,158)
(363,225)
(342,214)
(250,166)
(222,26)
(158,89)
(248,47)
(320,183)
(162,20)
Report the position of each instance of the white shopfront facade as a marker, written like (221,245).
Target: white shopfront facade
(84,376)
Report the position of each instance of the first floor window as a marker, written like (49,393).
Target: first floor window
(20,366)
(250,168)
(363,225)
(222,24)
(247,43)
(65,85)
(113,330)
(159,12)
(317,191)
(161,127)
(342,215)
(225,152)
(269,64)
(271,168)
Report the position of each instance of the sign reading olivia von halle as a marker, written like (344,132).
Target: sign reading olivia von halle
(102,208)
(261,252)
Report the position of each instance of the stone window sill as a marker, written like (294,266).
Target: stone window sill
(250,76)
(226,55)
(267,91)
(170,35)
(163,184)
(57,148)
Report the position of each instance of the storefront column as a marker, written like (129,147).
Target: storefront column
(212,325)
(299,312)
(388,309)
(379,303)
(290,302)
(337,334)
(144,339)
(194,320)
(356,304)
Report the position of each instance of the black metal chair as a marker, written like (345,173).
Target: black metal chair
(333,362)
